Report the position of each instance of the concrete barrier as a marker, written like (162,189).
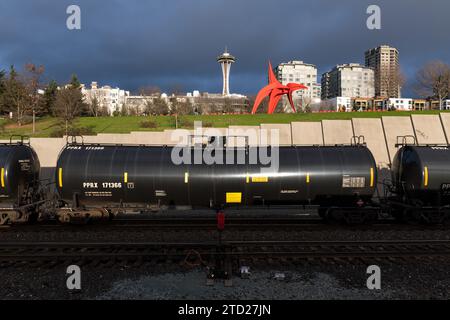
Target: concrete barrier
(337,131)
(445,119)
(395,126)
(380,135)
(372,130)
(110,138)
(157,138)
(177,136)
(237,134)
(428,129)
(47,150)
(269,131)
(307,133)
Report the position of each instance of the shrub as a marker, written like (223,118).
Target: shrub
(186,123)
(73,131)
(148,124)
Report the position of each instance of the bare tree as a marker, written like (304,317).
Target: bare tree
(124,110)
(177,89)
(433,80)
(181,107)
(16,95)
(156,106)
(32,81)
(264,106)
(149,91)
(393,81)
(69,104)
(94,107)
(228,106)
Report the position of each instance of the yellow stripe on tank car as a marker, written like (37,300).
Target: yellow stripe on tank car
(308,179)
(260,179)
(233,197)
(186,177)
(247,178)
(372,177)
(425,176)
(3,177)
(60,182)
(125,177)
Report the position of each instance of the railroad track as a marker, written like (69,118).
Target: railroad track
(209,223)
(43,253)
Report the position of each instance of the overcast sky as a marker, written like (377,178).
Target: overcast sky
(134,43)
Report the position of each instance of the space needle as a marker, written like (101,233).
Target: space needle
(225,60)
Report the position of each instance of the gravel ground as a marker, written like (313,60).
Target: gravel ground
(427,280)
(424,281)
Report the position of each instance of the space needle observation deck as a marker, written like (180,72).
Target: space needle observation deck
(225,60)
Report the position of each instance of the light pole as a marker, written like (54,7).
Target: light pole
(34,121)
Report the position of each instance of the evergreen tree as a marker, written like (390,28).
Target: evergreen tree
(74,82)
(48,102)
(2,88)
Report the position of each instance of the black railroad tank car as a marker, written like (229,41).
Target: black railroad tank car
(19,180)
(421,175)
(104,175)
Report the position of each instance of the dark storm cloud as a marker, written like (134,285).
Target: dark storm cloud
(132,43)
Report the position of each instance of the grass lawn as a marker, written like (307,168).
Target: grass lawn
(45,126)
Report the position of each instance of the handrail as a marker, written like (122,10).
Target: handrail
(22,138)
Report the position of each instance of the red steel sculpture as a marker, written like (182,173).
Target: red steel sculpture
(275,90)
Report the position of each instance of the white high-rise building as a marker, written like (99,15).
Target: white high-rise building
(348,80)
(107,97)
(303,73)
(226,60)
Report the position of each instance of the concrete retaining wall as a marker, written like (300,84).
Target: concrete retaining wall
(372,130)
(445,119)
(269,132)
(237,136)
(428,129)
(337,131)
(380,135)
(307,133)
(394,127)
